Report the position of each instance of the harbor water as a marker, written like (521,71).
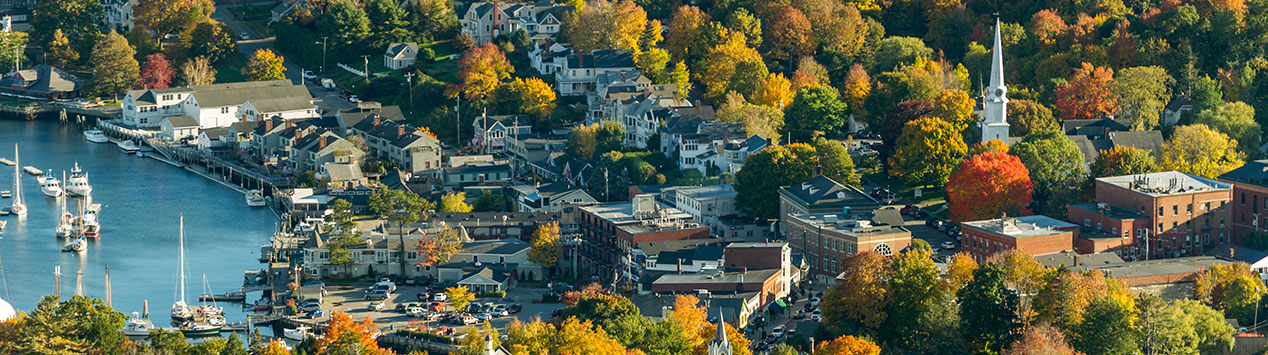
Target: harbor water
(142,201)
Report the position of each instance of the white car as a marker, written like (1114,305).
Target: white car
(814,301)
(816,317)
(439,297)
(416,312)
(309,75)
(948,245)
(777,332)
(244,36)
(469,320)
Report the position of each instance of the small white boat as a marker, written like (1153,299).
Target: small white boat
(77,183)
(137,326)
(50,186)
(78,245)
(96,136)
(8,162)
(6,194)
(128,146)
(298,334)
(255,198)
(32,170)
(18,207)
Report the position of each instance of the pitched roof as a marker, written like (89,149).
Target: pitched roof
(231,94)
(509,246)
(1146,140)
(607,58)
(294,103)
(343,172)
(182,121)
(48,79)
(398,50)
(822,191)
(1254,172)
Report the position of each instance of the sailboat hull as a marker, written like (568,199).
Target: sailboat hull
(209,331)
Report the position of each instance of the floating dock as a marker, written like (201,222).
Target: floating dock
(8,162)
(32,170)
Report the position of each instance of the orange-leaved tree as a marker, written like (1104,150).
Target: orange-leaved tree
(987,185)
(848,345)
(480,72)
(856,304)
(343,334)
(1087,94)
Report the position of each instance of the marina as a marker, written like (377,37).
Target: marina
(130,199)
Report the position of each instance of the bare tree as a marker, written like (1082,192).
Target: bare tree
(198,71)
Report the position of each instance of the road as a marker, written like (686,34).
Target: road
(326,100)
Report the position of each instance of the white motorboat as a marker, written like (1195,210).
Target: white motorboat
(90,230)
(298,334)
(77,183)
(66,223)
(255,198)
(18,207)
(128,146)
(138,327)
(96,136)
(50,186)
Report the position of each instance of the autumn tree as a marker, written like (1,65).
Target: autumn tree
(1122,160)
(346,336)
(454,202)
(582,142)
(789,35)
(1142,92)
(757,185)
(1233,288)
(77,20)
(960,271)
(156,73)
(1199,150)
(459,296)
(731,66)
(1236,120)
(213,41)
(848,345)
(1041,339)
(604,24)
(955,107)
(774,91)
(116,66)
(987,186)
(988,308)
(172,16)
(855,87)
(681,77)
(436,248)
(928,150)
(685,29)
(920,315)
(264,65)
(1056,168)
(197,71)
(1107,329)
(762,120)
(481,70)
(1088,94)
(1026,117)
(835,162)
(813,110)
(855,305)
(545,247)
(569,336)
(893,51)
(1064,297)
(991,146)
(59,50)
(896,118)
(743,21)
(652,62)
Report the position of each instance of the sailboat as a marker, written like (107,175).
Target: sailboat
(18,207)
(181,314)
(65,225)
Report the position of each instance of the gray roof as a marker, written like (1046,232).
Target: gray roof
(822,191)
(509,246)
(48,79)
(343,172)
(1236,253)
(607,58)
(182,121)
(293,103)
(1068,259)
(1254,173)
(230,94)
(1146,140)
(1092,127)
(397,50)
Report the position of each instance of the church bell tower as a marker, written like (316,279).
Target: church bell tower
(995,99)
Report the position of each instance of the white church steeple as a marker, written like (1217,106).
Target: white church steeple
(995,101)
(719,345)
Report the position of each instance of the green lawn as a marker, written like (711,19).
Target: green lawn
(260,26)
(443,49)
(928,194)
(229,70)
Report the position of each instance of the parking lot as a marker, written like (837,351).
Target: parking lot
(352,300)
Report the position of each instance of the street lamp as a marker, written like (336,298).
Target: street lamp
(323,54)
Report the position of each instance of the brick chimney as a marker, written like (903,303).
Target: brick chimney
(400,130)
(377,120)
(268,125)
(289,124)
(321,143)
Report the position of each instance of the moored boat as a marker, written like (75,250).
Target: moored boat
(78,245)
(255,198)
(128,146)
(138,327)
(77,183)
(50,186)
(201,330)
(18,207)
(298,333)
(96,136)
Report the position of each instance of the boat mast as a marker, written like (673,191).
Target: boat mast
(182,259)
(17,178)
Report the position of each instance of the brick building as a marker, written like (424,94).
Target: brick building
(1185,214)
(611,230)
(826,239)
(1035,235)
(762,255)
(1250,198)
(822,195)
(1107,228)
(768,282)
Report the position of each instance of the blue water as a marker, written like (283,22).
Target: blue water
(143,200)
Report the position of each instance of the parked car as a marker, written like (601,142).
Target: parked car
(514,308)
(309,75)
(416,312)
(314,314)
(778,332)
(309,307)
(376,306)
(500,311)
(244,36)
(814,301)
(440,296)
(469,320)
(560,287)
(377,295)
(948,245)
(354,99)
(483,316)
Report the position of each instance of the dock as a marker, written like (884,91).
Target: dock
(32,170)
(8,162)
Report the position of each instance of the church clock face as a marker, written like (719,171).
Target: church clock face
(999,92)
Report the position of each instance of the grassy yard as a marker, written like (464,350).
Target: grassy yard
(260,26)
(929,195)
(229,70)
(443,49)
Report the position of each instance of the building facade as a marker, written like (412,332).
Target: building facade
(826,239)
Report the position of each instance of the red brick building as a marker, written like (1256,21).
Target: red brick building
(1108,228)
(1250,198)
(766,255)
(1035,235)
(767,281)
(1185,214)
(826,239)
(611,230)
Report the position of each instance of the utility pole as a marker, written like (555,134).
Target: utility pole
(457,120)
(323,54)
(366,58)
(409,82)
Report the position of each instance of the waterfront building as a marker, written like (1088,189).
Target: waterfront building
(402,144)
(313,151)
(822,195)
(342,175)
(494,225)
(218,105)
(1033,235)
(42,82)
(179,127)
(826,239)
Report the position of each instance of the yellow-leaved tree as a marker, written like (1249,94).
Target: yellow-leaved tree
(1199,150)
(774,91)
(264,65)
(545,248)
(848,345)
(928,150)
(454,202)
(480,72)
(954,106)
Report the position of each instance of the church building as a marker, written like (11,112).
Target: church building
(995,103)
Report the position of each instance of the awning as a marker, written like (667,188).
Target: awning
(781,303)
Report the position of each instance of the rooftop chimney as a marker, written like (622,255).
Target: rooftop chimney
(321,141)
(400,130)
(377,120)
(268,125)
(289,124)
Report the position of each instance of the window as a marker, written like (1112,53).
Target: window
(1189,208)
(1175,210)
(224,109)
(1243,198)
(1160,211)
